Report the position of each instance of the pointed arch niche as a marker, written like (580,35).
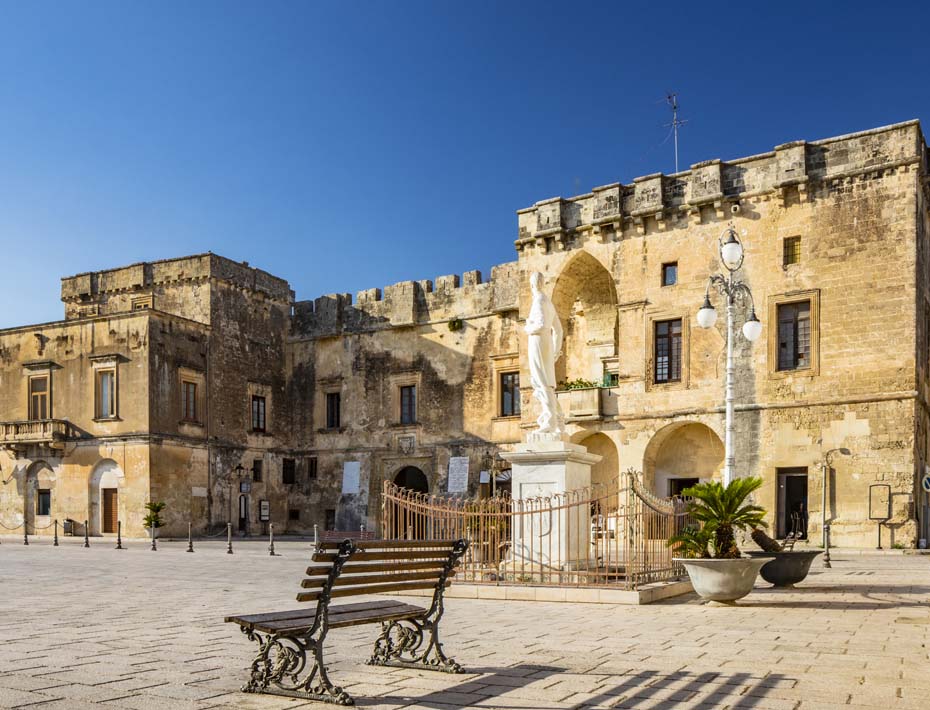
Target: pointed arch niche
(585,298)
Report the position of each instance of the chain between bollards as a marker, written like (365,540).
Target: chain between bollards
(119,534)
(229,538)
(55,543)
(826,547)
(190,539)
(271,539)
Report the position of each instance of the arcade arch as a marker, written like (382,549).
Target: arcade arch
(103,497)
(680,455)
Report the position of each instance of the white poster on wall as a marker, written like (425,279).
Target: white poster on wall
(350,476)
(484,477)
(458,474)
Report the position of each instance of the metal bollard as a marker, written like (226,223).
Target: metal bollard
(271,539)
(25,534)
(229,538)
(86,535)
(190,539)
(154,546)
(119,534)
(316,535)
(826,548)
(55,542)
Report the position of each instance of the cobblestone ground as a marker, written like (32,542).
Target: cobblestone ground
(100,628)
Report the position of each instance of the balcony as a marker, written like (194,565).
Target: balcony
(581,404)
(48,433)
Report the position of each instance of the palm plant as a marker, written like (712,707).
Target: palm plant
(153,519)
(723,510)
(692,541)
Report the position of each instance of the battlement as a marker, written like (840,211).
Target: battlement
(409,303)
(788,172)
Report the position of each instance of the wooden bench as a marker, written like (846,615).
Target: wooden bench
(290,656)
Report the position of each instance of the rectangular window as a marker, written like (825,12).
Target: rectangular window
(106,394)
(794,335)
(791,251)
(289,471)
(311,467)
(258,413)
(667,349)
(44,502)
(293,514)
(330,523)
(38,397)
(333,402)
(670,274)
(257,465)
(189,401)
(408,404)
(510,394)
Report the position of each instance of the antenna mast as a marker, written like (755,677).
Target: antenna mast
(672,100)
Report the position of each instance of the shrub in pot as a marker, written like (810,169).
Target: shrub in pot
(709,553)
(153,520)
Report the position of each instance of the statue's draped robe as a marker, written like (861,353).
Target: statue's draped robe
(544,342)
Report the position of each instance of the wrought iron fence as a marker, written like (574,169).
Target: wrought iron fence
(605,535)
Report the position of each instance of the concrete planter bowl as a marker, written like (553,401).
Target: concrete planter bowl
(785,569)
(723,580)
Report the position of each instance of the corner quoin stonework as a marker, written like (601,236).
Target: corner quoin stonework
(858,203)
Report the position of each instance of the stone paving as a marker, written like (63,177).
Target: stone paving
(142,630)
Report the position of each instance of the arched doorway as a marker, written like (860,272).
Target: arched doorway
(607,470)
(680,455)
(103,497)
(37,497)
(585,297)
(412,478)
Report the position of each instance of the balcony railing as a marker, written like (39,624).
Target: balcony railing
(581,403)
(45,432)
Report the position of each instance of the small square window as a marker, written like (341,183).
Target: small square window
(289,471)
(791,251)
(311,467)
(44,502)
(670,273)
(293,514)
(257,470)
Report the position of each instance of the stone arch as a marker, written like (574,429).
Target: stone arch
(585,297)
(412,478)
(607,470)
(106,475)
(679,452)
(39,476)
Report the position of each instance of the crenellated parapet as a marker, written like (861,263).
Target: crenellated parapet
(409,303)
(789,173)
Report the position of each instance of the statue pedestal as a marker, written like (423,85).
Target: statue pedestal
(550,530)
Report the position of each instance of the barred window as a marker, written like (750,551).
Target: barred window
(791,253)
(667,349)
(794,335)
(510,394)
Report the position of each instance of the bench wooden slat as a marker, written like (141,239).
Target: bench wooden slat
(358,579)
(303,611)
(323,570)
(369,589)
(388,544)
(339,616)
(372,556)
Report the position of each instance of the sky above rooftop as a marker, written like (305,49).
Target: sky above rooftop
(347,145)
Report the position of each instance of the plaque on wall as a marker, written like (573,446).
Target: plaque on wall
(350,477)
(484,477)
(264,511)
(458,474)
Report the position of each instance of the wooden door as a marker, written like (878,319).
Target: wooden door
(110,509)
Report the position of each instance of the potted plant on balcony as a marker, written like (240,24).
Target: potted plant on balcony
(152,521)
(710,554)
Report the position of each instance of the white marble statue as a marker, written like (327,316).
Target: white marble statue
(545,346)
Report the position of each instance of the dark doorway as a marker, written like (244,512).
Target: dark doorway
(412,478)
(244,514)
(677,485)
(792,502)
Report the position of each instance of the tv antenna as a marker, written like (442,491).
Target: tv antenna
(672,100)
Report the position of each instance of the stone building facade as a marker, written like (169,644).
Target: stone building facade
(395,384)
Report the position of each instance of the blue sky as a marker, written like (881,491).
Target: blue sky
(347,145)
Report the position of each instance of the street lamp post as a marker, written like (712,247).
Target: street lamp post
(735,291)
(240,470)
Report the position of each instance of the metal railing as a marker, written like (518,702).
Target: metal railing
(605,535)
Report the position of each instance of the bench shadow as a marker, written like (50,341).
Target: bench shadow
(655,690)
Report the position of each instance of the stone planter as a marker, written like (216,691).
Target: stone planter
(148,533)
(723,580)
(785,569)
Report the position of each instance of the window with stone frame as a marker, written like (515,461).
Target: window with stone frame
(105,393)
(257,466)
(289,472)
(333,410)
(408,404)
(670,273)
(44,501)
(189,404)
(38,397)
(791,251)
(667,351)
(259,410)
(510,394)
(311,467)
(794,335)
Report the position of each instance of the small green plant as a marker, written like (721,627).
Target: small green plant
(153,519)
(898,546)
(578,384)
(693,541)
(455,324)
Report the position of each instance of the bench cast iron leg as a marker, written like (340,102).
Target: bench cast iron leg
(282,667)
(401,644)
